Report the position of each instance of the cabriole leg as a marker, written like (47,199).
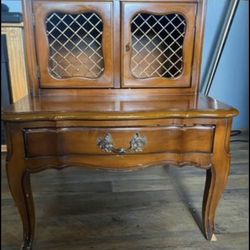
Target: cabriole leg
(20,188)
(216,180)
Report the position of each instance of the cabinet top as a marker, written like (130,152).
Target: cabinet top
(75,107)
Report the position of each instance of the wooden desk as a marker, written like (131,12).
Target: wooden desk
(114,85)
(61,131)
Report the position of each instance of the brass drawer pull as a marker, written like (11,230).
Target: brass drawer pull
(137,144)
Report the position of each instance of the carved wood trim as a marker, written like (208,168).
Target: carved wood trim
(199,160)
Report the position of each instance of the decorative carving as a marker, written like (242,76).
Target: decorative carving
(137,144)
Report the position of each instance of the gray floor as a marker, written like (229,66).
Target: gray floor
(151,209)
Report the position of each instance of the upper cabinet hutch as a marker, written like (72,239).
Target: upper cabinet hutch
(114,84)
(114,45)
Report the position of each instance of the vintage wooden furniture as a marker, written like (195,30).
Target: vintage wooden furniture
(114,85)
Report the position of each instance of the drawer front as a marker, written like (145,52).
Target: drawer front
(98,141)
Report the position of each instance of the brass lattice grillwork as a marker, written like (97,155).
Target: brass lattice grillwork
(157,45)
(75,45)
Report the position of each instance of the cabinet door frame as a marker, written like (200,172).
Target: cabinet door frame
(41,10)
(188,11)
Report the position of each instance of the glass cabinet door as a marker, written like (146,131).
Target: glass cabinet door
(157,44)
(74,44)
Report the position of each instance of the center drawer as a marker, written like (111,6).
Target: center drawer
(136,140)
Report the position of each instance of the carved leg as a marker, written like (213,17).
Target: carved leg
(216,180)
(19,184)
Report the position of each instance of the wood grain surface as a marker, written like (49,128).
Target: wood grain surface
(77,107)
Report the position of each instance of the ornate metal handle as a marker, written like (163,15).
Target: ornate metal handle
(137,144)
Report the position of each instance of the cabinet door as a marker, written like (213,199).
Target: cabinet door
(74,44)
(157,44)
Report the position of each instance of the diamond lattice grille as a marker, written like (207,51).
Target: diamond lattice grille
(75,45)
(157,45)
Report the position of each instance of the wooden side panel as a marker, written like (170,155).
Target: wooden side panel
(30,48)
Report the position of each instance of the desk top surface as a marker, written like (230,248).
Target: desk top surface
(114,108)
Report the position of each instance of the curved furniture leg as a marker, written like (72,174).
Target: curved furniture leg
(216,179)
(20,188)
